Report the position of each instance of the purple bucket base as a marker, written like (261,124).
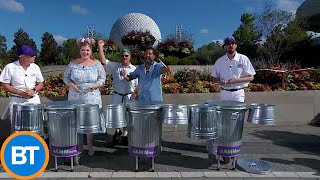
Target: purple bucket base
(226,151)
(68,151)
(142,152)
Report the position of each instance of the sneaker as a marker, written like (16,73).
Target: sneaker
(117,137)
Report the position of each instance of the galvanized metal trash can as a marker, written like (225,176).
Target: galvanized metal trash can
(144,130)
(262,114)
(230,116)
(88,119)
(116,116)
(202,122)
(175,114)
(63,137)
(28,117)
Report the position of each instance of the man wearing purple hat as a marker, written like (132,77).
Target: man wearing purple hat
(233,71)
(22,79)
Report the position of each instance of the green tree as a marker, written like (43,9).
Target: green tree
(20,38)
(248,36)
(210,52)
(289,44)
(49,50)
(3,45)
(70,50)
(271,18)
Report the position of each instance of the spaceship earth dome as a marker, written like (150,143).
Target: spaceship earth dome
(134,22)
(309,11)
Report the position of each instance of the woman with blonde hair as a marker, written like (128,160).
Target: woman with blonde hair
(84,76)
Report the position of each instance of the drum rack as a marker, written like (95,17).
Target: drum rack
(72,163)
(137,164)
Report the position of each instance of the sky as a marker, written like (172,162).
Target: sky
(206,20)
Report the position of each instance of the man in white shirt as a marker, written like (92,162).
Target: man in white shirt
(124,91)
(22,79)
(233,71)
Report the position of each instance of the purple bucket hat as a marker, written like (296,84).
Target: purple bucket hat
(26,50)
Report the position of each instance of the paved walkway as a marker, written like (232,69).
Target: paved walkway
(293,152)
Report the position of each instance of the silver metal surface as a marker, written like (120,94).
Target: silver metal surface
(263,114)
(175,114)
(62,124)
(115,115)
(28,117)
(230,116)
(202,122)
(88,118)
(145,126)
(255,166)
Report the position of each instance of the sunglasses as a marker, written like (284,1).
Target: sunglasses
(124,55)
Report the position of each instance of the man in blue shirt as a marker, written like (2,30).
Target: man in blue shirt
(149,77)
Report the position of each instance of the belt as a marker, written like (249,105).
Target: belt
(17,96)
(122,94)
(232,90)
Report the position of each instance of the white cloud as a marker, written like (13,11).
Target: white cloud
(11,5)
(79,10)
(204,31)
(59,39)
(288,5)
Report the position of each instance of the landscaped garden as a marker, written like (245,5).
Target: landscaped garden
(200,81)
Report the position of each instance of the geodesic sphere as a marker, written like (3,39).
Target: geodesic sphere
(134,22)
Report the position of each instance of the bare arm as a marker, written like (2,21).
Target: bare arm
(102,57)
(68,81)
(247,78)
(7,87)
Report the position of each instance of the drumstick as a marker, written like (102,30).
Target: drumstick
(163,63)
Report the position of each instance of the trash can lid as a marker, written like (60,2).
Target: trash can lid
(255,166)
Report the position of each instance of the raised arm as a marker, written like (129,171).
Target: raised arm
(164,68)
(102,57)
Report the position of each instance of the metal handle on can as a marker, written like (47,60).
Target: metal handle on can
(234,116)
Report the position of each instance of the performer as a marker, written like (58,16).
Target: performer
(84,76)
(124,91)
(22,79)
(233,71)
(149,77)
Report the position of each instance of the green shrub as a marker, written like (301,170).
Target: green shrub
(188,61)
(170,60)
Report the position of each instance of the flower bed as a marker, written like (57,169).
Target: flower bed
(195,81)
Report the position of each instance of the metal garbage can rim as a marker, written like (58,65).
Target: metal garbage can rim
(262,105)
(225,104)
(147,106)
(62,104)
